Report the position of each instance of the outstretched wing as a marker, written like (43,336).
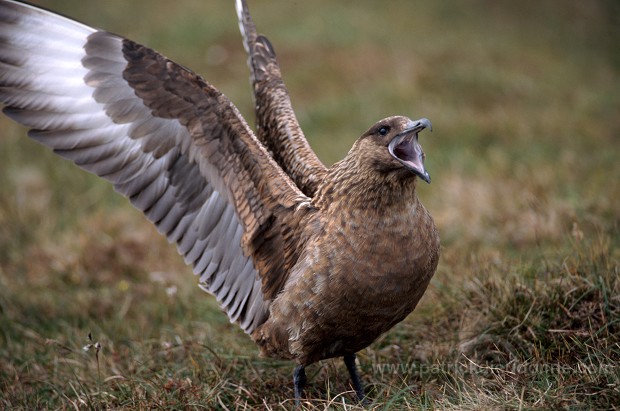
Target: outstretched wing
(276,124)
(166,139)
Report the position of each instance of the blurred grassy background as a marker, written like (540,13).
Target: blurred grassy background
(524,99)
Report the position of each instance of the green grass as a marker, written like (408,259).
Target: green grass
(524,311)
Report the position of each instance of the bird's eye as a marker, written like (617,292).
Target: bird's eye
(383,130)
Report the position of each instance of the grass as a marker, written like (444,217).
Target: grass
(524,310)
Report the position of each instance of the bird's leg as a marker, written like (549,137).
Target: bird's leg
(349,361)
(299,380)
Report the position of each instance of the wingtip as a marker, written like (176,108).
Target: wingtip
(246,26)
(240,7)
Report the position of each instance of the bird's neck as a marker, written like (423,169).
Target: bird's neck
(352,184)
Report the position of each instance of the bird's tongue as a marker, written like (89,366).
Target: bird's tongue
(407,150)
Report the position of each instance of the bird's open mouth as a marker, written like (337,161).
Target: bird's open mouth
(406,149)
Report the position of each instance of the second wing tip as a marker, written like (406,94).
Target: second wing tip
(240,7)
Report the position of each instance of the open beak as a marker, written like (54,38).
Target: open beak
(405,148)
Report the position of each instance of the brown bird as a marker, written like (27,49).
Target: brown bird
(311,262)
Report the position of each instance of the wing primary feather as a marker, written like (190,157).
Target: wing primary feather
(165,138)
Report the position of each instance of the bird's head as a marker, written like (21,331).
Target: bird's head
(391,145)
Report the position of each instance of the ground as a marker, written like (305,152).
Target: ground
(524,310)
